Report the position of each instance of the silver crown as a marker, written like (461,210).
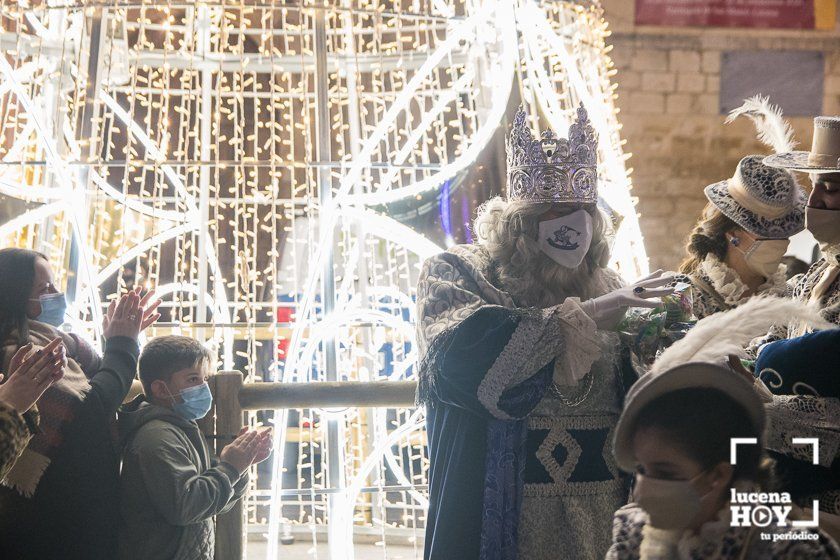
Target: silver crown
(551,169)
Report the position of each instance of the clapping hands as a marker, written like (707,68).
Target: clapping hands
(131,315)
(32,372)
(249,448)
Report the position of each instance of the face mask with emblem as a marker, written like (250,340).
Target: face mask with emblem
(566,239)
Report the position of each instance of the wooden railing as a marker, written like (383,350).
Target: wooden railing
(232,397)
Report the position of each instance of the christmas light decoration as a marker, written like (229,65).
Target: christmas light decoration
(240,156)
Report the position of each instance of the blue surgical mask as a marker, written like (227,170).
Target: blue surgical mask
(197,402)
(53,309)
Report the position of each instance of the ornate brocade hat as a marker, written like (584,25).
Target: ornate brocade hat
(551,169)
(765,201)
(824,156)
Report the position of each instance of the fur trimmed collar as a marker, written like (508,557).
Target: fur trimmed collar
(731,288)
(659,544)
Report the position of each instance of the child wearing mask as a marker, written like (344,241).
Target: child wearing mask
(675,433)
(170,486)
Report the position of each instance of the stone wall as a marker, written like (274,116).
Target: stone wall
(668,96)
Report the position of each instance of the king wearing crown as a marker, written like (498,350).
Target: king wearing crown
(521,371)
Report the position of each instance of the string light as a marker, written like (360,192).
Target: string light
(179,139)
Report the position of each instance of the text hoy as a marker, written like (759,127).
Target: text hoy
(748,509)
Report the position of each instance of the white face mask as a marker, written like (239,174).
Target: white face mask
(764,255)
(566,239)
(670,504)
(824,224)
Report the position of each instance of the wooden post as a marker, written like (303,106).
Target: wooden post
(223,424)
(231,397)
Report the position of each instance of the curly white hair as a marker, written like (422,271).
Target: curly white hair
(509,231)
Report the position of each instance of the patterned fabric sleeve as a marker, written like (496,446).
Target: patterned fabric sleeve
(14,435)
(781,331)
(628,523)
(496,362)
(804,416)
(480,351)
(564,334)
(823,549)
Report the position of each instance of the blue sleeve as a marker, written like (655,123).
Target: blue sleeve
(471,352)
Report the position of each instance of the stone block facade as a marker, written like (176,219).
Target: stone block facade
(668,97)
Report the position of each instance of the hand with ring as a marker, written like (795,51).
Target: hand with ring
(32,373)
(123,317)
(148,309)
(130,315)
(609,309)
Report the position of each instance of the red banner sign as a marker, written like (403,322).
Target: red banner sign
(791,14)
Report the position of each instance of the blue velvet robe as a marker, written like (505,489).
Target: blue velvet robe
(458,429)
(520,467)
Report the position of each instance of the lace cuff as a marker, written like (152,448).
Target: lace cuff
(581,350)
(801,416)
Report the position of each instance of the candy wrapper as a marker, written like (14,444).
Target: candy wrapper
(649,331)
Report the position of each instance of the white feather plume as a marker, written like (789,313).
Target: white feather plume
(717,336)
(773,130)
